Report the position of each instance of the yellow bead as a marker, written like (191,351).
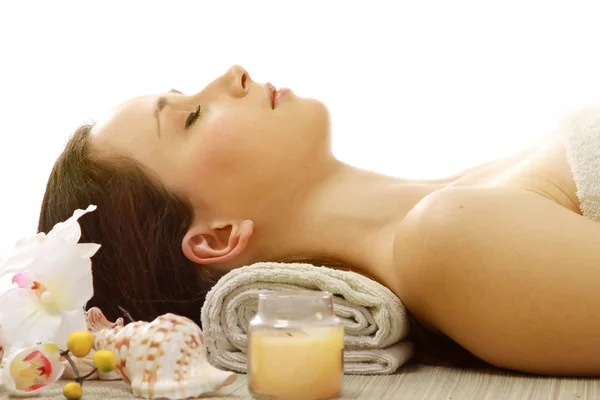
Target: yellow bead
(80,343)
(104,360)
(72,391)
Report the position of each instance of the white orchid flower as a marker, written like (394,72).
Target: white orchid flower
(53,277)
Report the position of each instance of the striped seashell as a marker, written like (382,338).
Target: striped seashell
(163,359)
(96,321)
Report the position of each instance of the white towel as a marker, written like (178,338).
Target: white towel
(581,131)
(374,319)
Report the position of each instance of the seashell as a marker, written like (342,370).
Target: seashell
(163,359)
(85,365)
(96,321)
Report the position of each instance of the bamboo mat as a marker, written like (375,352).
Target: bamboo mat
(410,382)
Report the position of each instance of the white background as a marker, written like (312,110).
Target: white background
(417,89)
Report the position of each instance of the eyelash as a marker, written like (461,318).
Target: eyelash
(192,118)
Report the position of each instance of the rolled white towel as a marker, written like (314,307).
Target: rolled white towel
(581,130)
(374,319)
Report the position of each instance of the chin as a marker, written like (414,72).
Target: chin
(319,114)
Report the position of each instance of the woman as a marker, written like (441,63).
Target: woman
(498,258)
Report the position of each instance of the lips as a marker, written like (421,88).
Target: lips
(271,91)
(275,95)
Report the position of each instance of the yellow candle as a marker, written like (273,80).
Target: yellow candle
(306,364)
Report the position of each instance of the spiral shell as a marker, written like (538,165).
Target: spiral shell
(165,358)
(96,321)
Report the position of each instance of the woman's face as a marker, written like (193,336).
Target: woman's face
(226,146)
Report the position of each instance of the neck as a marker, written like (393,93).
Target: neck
(350,216)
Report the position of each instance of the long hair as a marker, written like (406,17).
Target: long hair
(139,224)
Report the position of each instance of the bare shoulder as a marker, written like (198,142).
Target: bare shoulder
(476,223)
(508,274)
(546,172)
(458,212)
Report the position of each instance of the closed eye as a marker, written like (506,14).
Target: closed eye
(192,118)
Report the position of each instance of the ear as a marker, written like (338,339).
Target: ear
(218,244)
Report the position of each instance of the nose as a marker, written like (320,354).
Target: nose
(238,81)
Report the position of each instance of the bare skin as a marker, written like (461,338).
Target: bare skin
(508,269)
(498,258)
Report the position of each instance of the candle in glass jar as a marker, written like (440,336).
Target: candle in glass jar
(296,347)
(297,365)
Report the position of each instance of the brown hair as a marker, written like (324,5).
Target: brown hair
(139,224)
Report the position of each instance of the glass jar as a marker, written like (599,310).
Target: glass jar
(296,347)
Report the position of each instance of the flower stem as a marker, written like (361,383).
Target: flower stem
(82,378)
(65,354)
(126,314)
(78,378)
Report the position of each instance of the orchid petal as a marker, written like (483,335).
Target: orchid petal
(29,242)
(24,320)
(5,283)
(23,254)
(69,230)
(22,280)
(17,263)
(72,320)
(66,275)
(32,369)
(87,249)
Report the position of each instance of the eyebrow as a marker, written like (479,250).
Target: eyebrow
(160,104)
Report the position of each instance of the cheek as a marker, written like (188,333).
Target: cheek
(242,147)
(228,144)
